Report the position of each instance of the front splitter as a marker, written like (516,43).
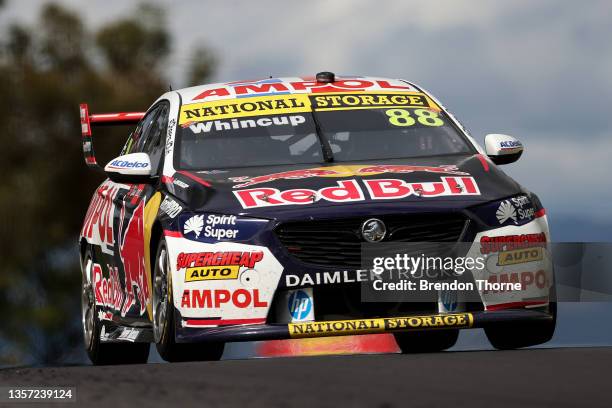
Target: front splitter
(258,332)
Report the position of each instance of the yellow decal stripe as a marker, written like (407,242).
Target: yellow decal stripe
(150,213)
(197,273)
(300,103)
(380,325)
(519,256)
(345,101)
(241,107)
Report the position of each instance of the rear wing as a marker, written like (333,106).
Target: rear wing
(101,119)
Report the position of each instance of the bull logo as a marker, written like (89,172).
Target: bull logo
(131,248)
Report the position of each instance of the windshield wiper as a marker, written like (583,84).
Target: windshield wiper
(328,154)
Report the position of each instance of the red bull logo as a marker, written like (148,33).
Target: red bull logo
(346,171)
(346,191)
(132,256)
(108,292)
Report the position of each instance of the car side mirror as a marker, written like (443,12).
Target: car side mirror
(503,149)
(130,168)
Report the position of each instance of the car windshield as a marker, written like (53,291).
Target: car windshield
(297,129)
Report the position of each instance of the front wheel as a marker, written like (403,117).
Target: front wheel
(103,353)
(426,341)
(164,318)
(510,336)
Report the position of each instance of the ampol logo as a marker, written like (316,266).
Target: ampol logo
(300,305)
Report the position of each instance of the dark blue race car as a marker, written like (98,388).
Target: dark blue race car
(241,211)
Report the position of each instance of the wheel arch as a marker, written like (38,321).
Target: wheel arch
(157,233)
(83,245)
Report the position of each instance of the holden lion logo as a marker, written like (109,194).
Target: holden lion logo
(373,230)
(194,224)
(505,212)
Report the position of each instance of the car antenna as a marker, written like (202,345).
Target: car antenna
(328,155)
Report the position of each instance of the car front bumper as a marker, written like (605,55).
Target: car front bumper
(259,332)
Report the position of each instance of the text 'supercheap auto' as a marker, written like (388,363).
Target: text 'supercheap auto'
(237,211)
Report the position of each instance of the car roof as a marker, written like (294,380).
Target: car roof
(290,85)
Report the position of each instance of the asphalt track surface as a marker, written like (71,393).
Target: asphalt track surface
(565,377)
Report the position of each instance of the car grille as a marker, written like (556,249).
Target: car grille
(338,242)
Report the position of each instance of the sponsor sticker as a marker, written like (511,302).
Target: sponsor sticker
(510,145)
(129,334)
(212,228)
(204,117)
(217,265)
(217,298)
(275,86)
(380,325)
(519,256)
(222,258)
(236,108)
(126,164)
(345,171)
(211,273)
(328,278)
(516,209)
(300,305)
(527,279)
(194,225)
(246,123)
(489,244)
(170,207)
(214,171)
(371,101)
(350,191)
(448,301)
(169,136)
(180,183)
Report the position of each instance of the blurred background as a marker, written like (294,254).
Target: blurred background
(539,71)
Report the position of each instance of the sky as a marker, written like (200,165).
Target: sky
(537,70)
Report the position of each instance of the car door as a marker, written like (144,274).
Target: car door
(131,244)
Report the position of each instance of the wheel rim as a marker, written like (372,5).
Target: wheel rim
(88,306)
(160,295)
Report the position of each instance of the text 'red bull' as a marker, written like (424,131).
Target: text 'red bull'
(349,190)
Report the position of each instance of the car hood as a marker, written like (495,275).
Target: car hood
(450,182)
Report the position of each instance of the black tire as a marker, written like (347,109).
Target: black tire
(103,353)
(426,341)
(511,336)
(164,313)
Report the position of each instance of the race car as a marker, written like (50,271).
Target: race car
(240,211)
